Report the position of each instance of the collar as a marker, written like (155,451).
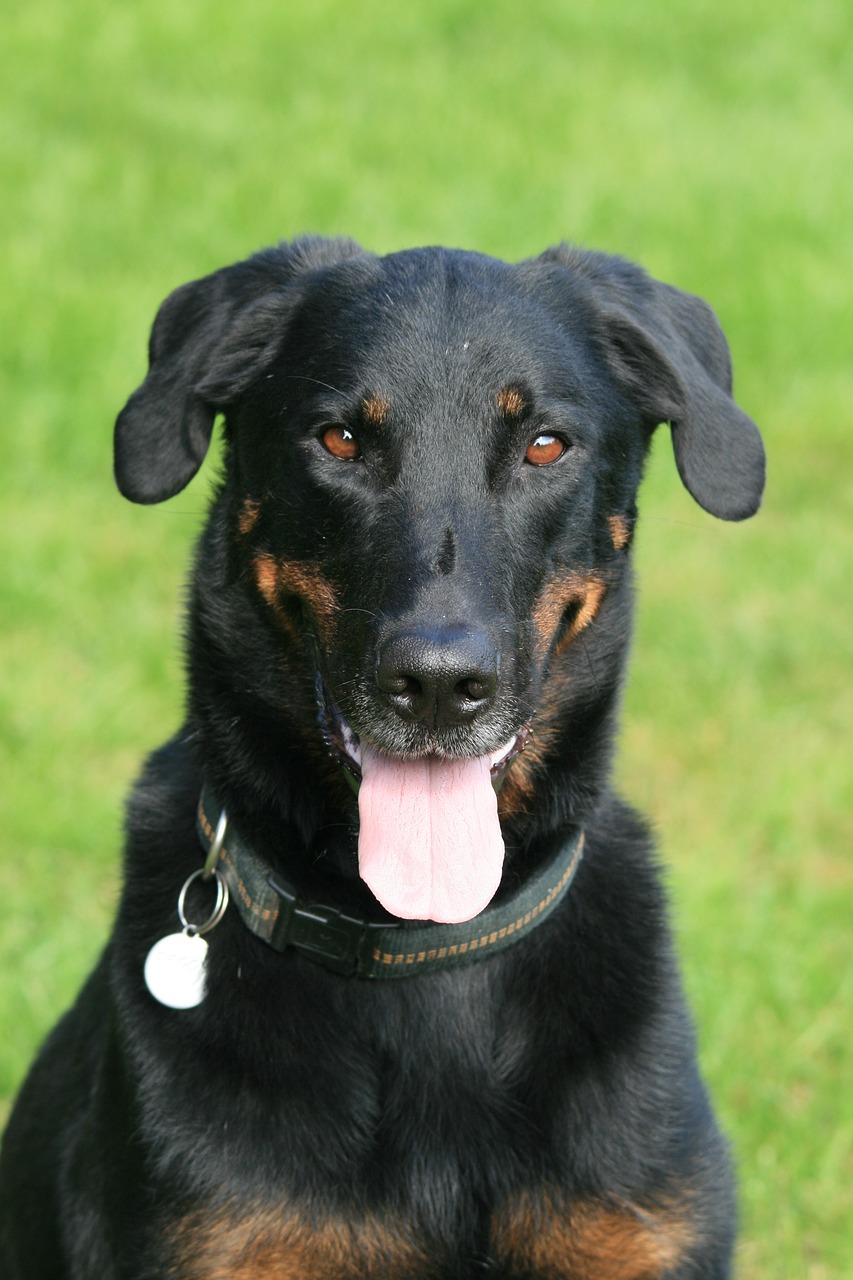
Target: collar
(273,910)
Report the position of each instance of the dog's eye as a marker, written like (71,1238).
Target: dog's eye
(341,443)
(545,449)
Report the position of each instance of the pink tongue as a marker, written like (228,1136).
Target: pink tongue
(429,845)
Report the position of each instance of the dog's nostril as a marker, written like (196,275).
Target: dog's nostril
(398,685)
(477,688)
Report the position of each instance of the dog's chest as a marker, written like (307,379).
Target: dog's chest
(530,1236)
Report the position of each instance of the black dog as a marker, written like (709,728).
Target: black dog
(439,1030)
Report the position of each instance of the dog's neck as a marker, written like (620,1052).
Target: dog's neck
(274,910)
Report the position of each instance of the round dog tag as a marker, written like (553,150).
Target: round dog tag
(175,970)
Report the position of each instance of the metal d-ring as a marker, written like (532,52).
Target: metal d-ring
(219,906)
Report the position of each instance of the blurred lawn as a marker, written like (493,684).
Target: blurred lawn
(144,144)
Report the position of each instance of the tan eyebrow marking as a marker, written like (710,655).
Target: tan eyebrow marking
(375,410)
(511,402)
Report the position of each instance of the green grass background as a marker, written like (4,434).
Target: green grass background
(144,144)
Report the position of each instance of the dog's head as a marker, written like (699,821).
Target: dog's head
(431,474)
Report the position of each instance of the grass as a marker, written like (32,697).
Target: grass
(144,144)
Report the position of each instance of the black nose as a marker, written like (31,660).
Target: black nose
(441,677)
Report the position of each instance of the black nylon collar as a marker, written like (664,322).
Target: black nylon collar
(272,909)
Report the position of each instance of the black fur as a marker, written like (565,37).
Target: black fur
(536,1114)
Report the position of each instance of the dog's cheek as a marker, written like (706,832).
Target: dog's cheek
(566,605)
(297,592)
(517,795)
(534,1234)
(518,791)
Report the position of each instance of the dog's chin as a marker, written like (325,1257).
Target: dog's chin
(398,740)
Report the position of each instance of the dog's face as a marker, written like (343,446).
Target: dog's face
(427,486)
(432,469)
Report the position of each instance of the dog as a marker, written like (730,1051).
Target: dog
(391,993)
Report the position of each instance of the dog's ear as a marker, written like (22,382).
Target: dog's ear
(668,353)
(210,339)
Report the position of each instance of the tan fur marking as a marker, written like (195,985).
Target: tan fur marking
(307,582)
(586,591)
(300,579)
(511,402)
(266,577)
(592,1240)
(248,517)
(620,532)
(280,1245)
(594,594)
(375,410)
(519,786)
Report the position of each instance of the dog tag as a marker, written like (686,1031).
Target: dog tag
(175,970)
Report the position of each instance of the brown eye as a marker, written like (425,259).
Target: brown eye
(544,450)
(341,443)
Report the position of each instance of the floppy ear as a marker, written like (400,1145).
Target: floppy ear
(668,352)
(209,340)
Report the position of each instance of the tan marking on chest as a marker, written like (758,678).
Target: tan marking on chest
(539,1236)
(269,1245)
(276,578)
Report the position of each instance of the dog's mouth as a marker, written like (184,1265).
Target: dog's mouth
(429,844)
(345,745)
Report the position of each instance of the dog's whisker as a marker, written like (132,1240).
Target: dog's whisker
(301,377)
